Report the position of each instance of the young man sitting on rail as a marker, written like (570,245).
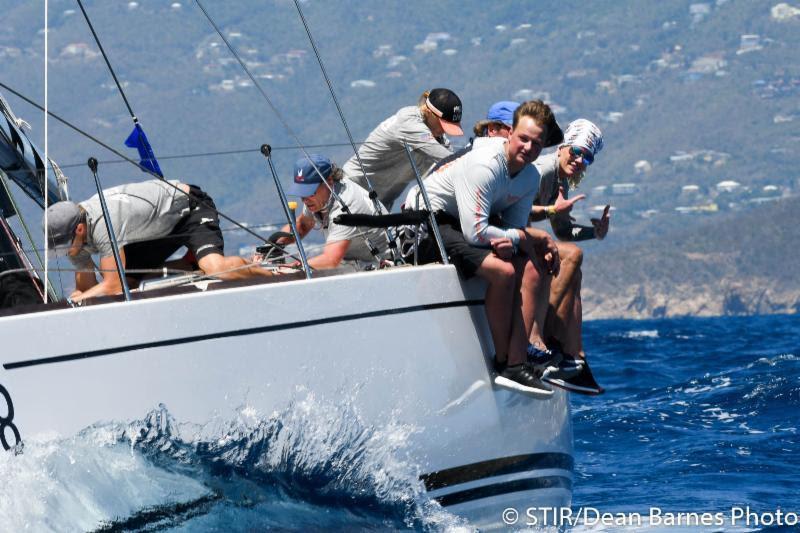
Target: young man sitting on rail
(344,245)
(151,221)
(482,201)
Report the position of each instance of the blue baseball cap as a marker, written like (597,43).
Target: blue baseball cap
(502,112)
(306,177)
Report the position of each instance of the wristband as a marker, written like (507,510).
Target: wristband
(550,210)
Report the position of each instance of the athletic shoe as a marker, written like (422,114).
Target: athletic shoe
(582,383)
(552,363)
(519,378)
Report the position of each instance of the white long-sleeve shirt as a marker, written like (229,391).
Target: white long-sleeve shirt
(478,186)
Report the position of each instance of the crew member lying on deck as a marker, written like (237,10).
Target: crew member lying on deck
(344,245)
(151,221)
(482,201)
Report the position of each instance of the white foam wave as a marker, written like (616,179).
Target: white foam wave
(79,483)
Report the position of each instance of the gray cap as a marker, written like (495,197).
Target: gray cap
(62,219)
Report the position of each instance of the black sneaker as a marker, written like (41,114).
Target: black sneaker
(552,363)
(520,378)
(583,383)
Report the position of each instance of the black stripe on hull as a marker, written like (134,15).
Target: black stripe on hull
(518,485)
(497,467)
(239,333)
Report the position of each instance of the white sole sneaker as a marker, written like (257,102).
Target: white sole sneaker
(540,391)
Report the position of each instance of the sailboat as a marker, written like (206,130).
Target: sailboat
(408,343)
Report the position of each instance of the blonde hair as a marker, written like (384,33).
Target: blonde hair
(423,99)
(480,128)
(336,173)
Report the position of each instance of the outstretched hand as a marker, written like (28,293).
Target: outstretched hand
(564,205)
(601,224)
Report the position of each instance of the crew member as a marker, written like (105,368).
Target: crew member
(151,221)
(482,201)
(562,171)
(423,128)
(349,246)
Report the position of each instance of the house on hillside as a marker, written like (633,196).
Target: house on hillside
(749,43)
(642,166)
(624,189)
(728,186)
(783,12)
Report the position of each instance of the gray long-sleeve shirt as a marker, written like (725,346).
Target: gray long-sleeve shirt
(385,161)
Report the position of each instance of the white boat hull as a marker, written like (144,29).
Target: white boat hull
(410,344)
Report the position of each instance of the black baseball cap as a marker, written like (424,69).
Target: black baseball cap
(446,105)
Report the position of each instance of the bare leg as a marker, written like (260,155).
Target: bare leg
(527,301)
(212,264)
(499,274)
(564,317)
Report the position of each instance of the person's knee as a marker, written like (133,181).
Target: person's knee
(499,273)
(531,276)
(570,253)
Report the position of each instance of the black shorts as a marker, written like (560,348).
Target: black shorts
(199,231)
(464,256)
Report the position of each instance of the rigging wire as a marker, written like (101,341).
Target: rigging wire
(215,153)
(10,196)
(137,165)
(282,120)
(108,64)
(379,208)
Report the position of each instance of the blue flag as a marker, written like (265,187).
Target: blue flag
(137,139)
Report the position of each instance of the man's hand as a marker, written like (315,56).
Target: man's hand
(548,250)
(564,205)
(601,224)
(503,248)
(542,248)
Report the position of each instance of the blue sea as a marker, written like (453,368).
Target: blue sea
(700,415)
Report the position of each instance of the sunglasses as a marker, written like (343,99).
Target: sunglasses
(577,152)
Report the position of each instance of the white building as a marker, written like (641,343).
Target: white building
(728,186)
(783,12)
(624,188)
(642,166)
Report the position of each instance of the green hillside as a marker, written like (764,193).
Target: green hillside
(700,92)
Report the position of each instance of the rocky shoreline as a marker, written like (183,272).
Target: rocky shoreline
(757,297)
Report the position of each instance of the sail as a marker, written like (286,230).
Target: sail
(22,161)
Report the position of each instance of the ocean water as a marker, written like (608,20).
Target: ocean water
(700,415)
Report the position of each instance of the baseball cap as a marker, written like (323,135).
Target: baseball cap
(446,105)
(502,112)
(62,219)
(306,177)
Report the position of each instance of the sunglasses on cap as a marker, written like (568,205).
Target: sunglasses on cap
(577,152)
